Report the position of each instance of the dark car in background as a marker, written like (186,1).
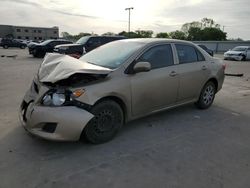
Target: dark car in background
(40,49)
(85,44)
(210,52)
(6,43)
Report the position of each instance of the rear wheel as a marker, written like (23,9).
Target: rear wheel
(107,121)
(22,46)
(207,96)
(5,46)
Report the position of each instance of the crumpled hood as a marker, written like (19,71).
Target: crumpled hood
(234,52)
(57,67)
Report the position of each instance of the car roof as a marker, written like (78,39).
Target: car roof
(107,36)
(241,46)
(157,40)
(58,40)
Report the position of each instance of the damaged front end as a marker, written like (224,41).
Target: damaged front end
(77,80)
(50,108)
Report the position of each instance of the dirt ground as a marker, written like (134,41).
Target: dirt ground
(182,147)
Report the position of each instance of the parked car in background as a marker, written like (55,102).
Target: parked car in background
(6,43)
(92,97)
(210,52)
(240,53)
(32,44)
(40,49)
(85,44)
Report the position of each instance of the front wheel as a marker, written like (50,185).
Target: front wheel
(5,46)
(207,96)
(107,121)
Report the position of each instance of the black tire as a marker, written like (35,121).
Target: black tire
(5,46)
(105,124)
(207,96)
(38,54)
(22,46)
(243,58)
(34,53)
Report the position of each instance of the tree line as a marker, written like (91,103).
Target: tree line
(205,30)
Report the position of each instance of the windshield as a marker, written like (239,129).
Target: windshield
(113,54)
(239,49)
(82,40)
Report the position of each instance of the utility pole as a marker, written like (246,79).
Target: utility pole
(130,8)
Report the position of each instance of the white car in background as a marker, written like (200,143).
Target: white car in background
(239,53)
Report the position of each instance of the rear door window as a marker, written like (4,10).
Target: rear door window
(186,53)
(200,56)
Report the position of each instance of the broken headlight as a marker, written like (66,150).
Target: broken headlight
(60,97)
(54,98)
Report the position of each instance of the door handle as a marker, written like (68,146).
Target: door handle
(204,67)
(173,73)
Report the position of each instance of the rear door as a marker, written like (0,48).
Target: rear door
(193,72)
(157,88)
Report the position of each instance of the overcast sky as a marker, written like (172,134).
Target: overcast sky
(101,16)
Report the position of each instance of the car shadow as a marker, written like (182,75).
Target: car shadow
(141,130)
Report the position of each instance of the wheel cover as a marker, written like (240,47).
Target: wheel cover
(208,95)
(104,122)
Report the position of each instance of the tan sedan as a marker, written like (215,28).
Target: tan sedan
(94,96)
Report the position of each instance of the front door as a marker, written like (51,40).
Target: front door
(157,88)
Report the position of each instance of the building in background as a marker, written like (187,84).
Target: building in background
(28,33)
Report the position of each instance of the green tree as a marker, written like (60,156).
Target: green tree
(162,35)
(235,39)
(144,33)
(68,36)
(65,35)
(208,22)
(185,27)
(128,35)
(177,35)
(195,33)
(109,34)
(206,29)
(210,33)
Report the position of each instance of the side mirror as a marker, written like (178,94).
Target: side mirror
(142,67)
